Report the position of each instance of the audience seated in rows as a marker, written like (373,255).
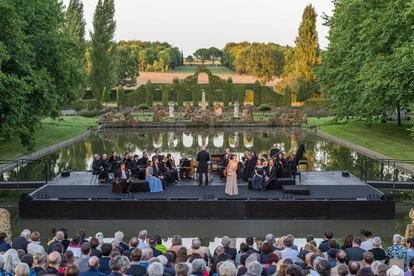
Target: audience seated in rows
(147,255)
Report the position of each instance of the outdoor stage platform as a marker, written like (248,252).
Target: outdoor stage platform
(318,195)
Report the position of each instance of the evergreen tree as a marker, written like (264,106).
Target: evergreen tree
(75,30)
(104,62)
(307,50)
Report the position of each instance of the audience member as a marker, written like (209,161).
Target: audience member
(53,265)
(323,246)
(22,241)
(355,252)
(396,251)
(4,245)
(379,253)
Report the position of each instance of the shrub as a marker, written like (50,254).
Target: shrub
(92,104)
(176,80)
(143,106)
(265,107)
(229,80)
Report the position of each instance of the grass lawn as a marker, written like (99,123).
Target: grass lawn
(50,133)
(188,69)
(388,139)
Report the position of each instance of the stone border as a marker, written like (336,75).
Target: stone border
(46,150)
(370,153)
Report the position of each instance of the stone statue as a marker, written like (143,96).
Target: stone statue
(5,225)
(236,109)
(171,109)
(203,101)
(409,230)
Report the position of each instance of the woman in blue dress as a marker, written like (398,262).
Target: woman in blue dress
(258,177)
(154,182)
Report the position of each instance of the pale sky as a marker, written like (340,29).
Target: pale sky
(193,24)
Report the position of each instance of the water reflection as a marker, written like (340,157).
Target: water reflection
(322,155)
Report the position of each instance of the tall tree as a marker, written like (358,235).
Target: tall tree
(202,54)
(128,67)
(104,61)
(75,29)
(307,53)
(215,54)
(369,64)
(36,66)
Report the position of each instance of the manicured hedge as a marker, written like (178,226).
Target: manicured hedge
(217,90)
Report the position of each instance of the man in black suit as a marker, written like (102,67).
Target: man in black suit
(271,175)
(203,157)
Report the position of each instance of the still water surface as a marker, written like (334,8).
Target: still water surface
(322,155)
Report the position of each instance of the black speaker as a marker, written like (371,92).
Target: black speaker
(65,174)
(345,174)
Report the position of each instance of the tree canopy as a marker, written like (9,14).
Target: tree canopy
(36,66)
(154,56)
(258,59)
(368,68)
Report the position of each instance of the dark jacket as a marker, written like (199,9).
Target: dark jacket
(20,243)
(272,174)
(4,246)
(95,252)
(203,157)
(136,270)
(52,246)
(354,254)
(49,271)
(104,265)
(232,252)
(92,272)
(96,166)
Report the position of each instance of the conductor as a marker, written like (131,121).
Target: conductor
(203,157)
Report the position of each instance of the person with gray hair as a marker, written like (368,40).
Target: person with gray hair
(270,238)
(342,270)
(374,267)
(22,269)
(396,251)
(22,241)
(118,264)
(254,269)
(379,253)
(232,252)
(142,237)
(198,267)
(11,260)
(56,242)
(119,240)
(53,264)
(254,257)
(227,268)
(155,269)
